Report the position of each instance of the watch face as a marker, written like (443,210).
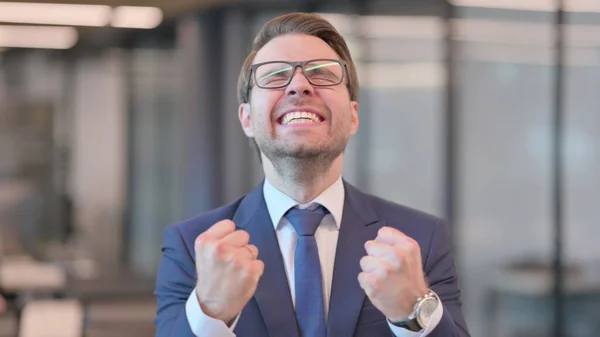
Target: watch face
(428,306)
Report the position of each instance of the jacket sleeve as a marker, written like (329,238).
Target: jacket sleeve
(443,280)
(175,282)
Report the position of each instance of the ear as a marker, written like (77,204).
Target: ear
(246,120)
(354,122)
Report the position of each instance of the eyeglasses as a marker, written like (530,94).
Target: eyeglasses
(278,74)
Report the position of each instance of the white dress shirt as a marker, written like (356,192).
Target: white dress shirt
(326,236)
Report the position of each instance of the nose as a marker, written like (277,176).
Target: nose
(299,86)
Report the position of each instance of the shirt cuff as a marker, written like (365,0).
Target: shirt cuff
(436,317)
(202,325)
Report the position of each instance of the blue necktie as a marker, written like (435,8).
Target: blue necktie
(310,307)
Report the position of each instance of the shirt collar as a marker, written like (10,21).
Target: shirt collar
(278,203)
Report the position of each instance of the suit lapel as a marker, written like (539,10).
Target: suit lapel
(359,224)
(273,293)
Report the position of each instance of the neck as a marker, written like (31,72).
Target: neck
(300,180)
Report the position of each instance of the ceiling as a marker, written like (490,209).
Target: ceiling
(103,36)
(171,8)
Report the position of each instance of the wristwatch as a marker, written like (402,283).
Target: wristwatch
(421,315)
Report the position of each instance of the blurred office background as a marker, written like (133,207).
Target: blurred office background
(116,121)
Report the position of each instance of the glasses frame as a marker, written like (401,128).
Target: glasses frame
(294,65)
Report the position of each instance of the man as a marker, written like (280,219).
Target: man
(306,254)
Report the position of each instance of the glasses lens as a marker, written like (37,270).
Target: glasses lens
(272,75)
(324,72)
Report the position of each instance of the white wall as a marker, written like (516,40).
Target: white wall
(99,144)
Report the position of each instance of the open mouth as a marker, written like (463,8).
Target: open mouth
(300,117)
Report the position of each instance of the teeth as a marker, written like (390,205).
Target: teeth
(300,117)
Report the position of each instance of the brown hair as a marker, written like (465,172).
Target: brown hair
(298,23)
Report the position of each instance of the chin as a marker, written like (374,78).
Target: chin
(279,149)
(313,151)
(303,152)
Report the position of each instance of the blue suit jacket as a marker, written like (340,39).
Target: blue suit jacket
(270,312)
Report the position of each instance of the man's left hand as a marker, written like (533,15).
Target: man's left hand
(392,275)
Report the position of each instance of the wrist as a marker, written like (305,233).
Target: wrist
(213,311)
(403,316)
(405,313)
(421,314)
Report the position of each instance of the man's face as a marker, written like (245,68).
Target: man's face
(266,118)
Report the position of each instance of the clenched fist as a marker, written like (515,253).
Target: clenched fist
(392,274)
(228,270)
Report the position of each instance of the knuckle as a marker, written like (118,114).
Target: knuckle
(363,281)
(258,269)
(218,247)
(200,241)
(398,254)
(401,259)
(227,223)
(246,269)
(387,269)
(374,284)
(232,259)
(260,266)
(383,272)
(412,244)
(252,251)
(220,250)
(245,236)
(209,247)
(370,278)
(396,264)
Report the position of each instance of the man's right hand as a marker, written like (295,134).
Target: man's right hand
(228,270)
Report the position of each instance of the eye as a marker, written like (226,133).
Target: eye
(324,72)
(273,74)
(275,78)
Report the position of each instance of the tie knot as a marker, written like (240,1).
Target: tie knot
(304,221)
